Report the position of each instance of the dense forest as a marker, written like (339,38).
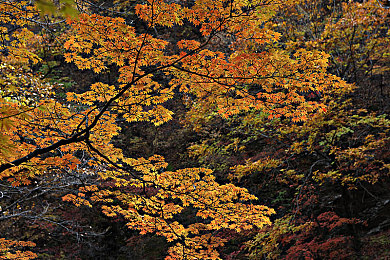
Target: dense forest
(194,129)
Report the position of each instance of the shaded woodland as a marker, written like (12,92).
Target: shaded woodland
(194,129)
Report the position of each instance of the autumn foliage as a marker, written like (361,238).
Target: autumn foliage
(266,87)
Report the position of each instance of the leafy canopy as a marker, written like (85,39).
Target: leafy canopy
(253,72)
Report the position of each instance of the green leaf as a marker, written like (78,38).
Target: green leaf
(64,8)
(46,7)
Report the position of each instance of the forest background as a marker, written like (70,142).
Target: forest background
(226,129)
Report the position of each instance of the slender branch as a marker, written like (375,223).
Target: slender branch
(41,151)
